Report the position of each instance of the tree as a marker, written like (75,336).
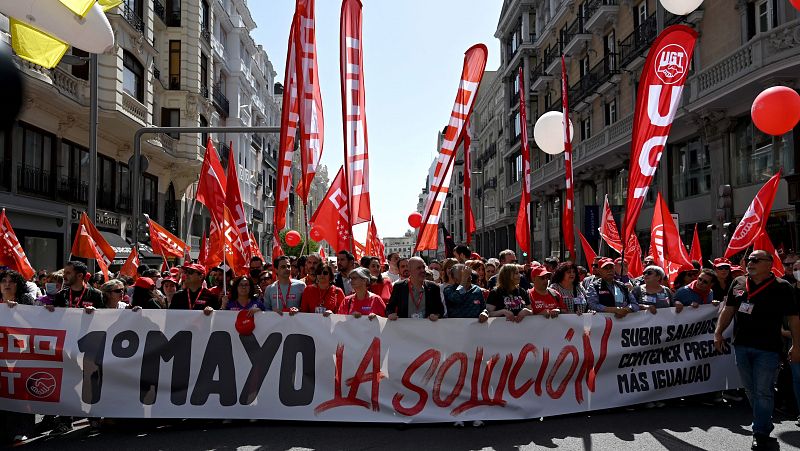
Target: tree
(296,251)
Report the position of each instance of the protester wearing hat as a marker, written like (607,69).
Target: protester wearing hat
(144,294)
(545,301)
(565,282)
(243,296)
(113,292)
(508,299)
(724,278)
(606,294)
(362,302)
(697,292)
(169,286)
(686,275)
(194,296)
(621,272)
(286,294)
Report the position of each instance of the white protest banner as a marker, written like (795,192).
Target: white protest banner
(183,364)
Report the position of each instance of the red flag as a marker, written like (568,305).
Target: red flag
(322,253)
(354,114)
(233,202)
(695,253)
(608,228)
(255,251)
(471,75)
(85,246)
(277,250)
(131,264)
(374,244)
(11,252)
(165,243)
(588,252)
(216,244)
(657,101)
(664,234)
(469,218)
(312,124)
(360,250)
(763,243)
(290,117)
(569,206)
(211,185)
(203,256)
(523,229)
(106,251)
(164,264)
(755,218)
(236,252)
(332,216)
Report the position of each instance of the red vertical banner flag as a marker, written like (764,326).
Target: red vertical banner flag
(763,243)
(695,253)
(107,252)
(332,216)
(211,193)
(608,228)
(312,124)
(471,75)
(86,247)
(354,113)
(233,202)
(131,264)
(569,205)
(755,218)
(290,121)
(164,242)
(588,252)
(664,233)
(374,244)
(659,95)
(523,229)
(469,218)
(11,252)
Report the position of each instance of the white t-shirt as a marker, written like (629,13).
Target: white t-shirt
(392,276)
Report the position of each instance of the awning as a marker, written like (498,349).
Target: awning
(123,250)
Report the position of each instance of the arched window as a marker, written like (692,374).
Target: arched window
(132,76)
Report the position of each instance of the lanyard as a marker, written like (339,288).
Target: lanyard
(418,301)
(281,299)
(322,297)
(189,296)
(80,298)
(758,290)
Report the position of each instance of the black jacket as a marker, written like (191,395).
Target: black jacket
(398,302)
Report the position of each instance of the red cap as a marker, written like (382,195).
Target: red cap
(686,268)
(169,279)
(475,256)
(175,271)
(195,267)
(605,261)
(618,260)
(144,282)
(539,271)
(245,322)
(721,262)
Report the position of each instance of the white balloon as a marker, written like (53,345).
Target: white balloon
(548,132)
(681,7)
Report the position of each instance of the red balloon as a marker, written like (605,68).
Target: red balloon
(293,238)
(776,110)
(316,233)
(415,220)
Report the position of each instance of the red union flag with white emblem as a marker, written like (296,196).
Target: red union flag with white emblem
(11,253)
(471,75)
(657,101)
(233,202)
(165,243)
(665,236)
(107,252)
(354,114)
(332,217)
(755,218)
(312,124)
(86,247)
(237,254)
(290,119)
(374,244)
(523,228)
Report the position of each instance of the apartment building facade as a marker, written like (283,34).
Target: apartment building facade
(715,160)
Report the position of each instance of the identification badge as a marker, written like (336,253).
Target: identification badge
(320,309)
(746,307)
(417,315)
(200,302)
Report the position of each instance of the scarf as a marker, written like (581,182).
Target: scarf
(703,293)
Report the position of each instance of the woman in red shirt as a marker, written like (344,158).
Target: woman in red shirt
(322,297)
(362,302)
(544,301)
(379,285)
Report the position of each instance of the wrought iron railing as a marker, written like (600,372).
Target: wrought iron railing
(572,30)
(34,180)
(206,35)
(638,41)
(133,18)
(158,8)
(220,101)
(551,54)
(593,5)
(73,189)
(597,75)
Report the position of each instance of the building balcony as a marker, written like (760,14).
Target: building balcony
(204,92)
(258,215)
(599,13)
(257,141)
(633,48)
(490,183)
(73,87)
(205,33)
(540,79)
(589,86)
(552,59)
(132,17)
(134,108)
(221,102)
(74,190)
(160,12)
(575,36)
(34,180)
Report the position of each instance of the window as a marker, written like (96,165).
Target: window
(517,125)
(37,161)
(203,15)
(175,65)
(764,16)
(150,195)
(173,13)
(610,112)
(105,182)
(515,169)
(640,13)
(610,49)
(619,189)
(80,70)
(754,157)
(171,117)
(586,128)
(203,75)
(691,169)
(124,197)
(132,76)
(204,135)
(73,173)
(583,68)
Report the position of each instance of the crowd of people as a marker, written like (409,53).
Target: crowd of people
(467,285)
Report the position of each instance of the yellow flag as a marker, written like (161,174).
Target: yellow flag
(109,4)
(35,45)
(79,7)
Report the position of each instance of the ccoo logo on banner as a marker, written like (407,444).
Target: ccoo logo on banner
(120,363)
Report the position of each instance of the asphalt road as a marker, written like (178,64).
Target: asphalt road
(675,427)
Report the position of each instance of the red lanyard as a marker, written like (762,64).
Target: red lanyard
(281,299)
(80,299)
(418,301)
(189,296)
(323,297)
(759,290)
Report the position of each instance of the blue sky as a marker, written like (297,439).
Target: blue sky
(413,54)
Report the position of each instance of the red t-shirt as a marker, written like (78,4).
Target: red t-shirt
(384,290)
(315,299)
(549,301)
(371,304)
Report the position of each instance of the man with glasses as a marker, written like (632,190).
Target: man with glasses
(286,294)
(606,294)
(587,281)
(194,296)
(508,257)
(760,302)
(698,292)
(415,297)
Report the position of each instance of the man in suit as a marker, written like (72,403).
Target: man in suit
(415,297)
(345,262)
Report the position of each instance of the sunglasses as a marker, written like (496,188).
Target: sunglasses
(705,281)
(756,260)
(118,291)
(324,273)
(649,273)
